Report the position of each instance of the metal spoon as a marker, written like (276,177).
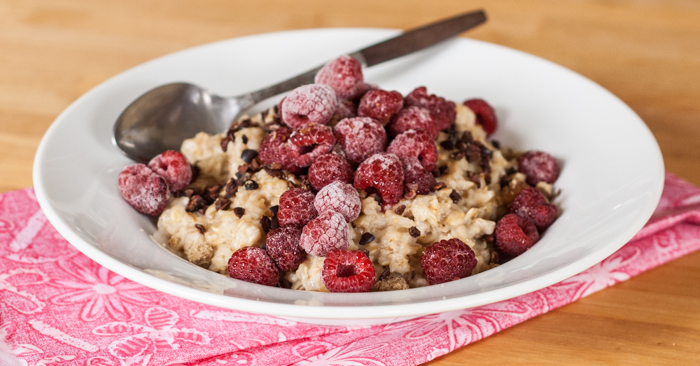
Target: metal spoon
(163,117)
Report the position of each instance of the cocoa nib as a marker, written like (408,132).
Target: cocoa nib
(399,210)
(239,211)
(251,185)
(385,274)
(196,203)
(439,186)
(231,188)
(248,155)
(410,194)
(366,238)
(222,203)
(245,139)
(200,228)
(266,224)
(455,196)
(414,231)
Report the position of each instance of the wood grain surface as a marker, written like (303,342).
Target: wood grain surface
(646,52)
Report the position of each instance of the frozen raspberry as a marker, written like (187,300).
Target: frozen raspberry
(283,247)
(309,142)
(443,111)
(329,168)
(416,144)
(380,105)
(172,166)
(275,149)
(143,189)
(348,271)
(447,260)
(339,197)
(346,109)
(326,232)
(417,178)
(485,115)
(296,207)
(360,138)
(344,75)
(252,264)
(539,166)
(531,204)
(384,173)
(413,118)
(515,234)
(306,104)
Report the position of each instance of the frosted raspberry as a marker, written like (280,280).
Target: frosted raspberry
(530,203)
(417,178)
(143,189)
(485,115)
(380,105)
(329,168)
(447,260)
(360,138)
(344,75)
(348,271)
(306,104)
(326,232)
(309,142)
(514,235)
(274,149)
(384,173)
(283,247)
(172,166)
(296,207)
(252,264)
(346,109)
(442,111)
(413,118)
(539,166)
(416,144)
(339,197)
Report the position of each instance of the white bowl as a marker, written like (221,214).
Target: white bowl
(611,180)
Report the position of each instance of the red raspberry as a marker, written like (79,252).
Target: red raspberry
(485,115)
(274,149)
(172,166)
(531,204)
(417,178)
(515,234)
(296,207)
(416,144)
(413,118)
(306,104)
(539,166)
(252,264)
(443,111)
(344,75)
(348,271)
(360,138)
(382,172)
(346,109)
(380,105)
(339,197)
(309,142)
(283,247)
(326,232)
(447,260)
(143,189)
(330,168)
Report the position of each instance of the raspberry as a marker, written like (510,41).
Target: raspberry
(329,168)
(360,138)
(306,104)
(296,207)
(447,260)
(417,178)
(252,264)
(346,109)
(172,166)
(442,111)
(415,144)
(348,271)
(274,149)
(283,247)
(326,232)
(515,234)
(382,172)
(531,204)
(339,197)
(309,142)
(380,105)
(539,166)
(413,118)
(344,75)
(485,115)
(143,189)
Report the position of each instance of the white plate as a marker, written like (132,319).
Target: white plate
(611,180)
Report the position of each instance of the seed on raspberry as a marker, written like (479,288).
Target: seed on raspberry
(530,203)
(417,178)
(348,271)
(313,103)
(329,168)
(143,189)
(339,197)
(309,142)
(275,149)
(384,173)
(515,234)
(296,207)
(283,247)
(326,232)
(416,144)
(447,260)
(380,105)
(442,111)
(344,75)
(360,138)
(252,264)
(485,115)
(413,118)
(172,166)
(539,166)
(346,109)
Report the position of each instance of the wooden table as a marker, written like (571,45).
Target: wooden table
(647,52)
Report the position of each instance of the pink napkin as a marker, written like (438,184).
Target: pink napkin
(59,307)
